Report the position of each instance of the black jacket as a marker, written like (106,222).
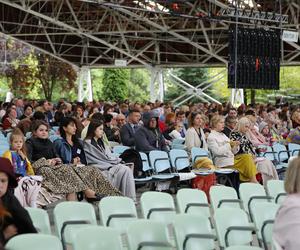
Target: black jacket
(38,148)
(148,139)
(19,216)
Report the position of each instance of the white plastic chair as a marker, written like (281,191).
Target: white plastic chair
(192,201)
(193,232)
(158,206)
(222,196)
(251,193)
(233,227)
(276,190)
(117,212)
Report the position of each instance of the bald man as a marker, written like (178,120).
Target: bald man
(121,120)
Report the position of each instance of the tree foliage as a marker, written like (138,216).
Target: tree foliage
(97,78)
(39,72)
(20,70)
(53,73)
(115,83)
(138,85)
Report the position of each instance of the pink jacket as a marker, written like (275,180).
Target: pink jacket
(286,229)
(256,138)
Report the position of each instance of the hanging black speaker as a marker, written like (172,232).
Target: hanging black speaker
(258,58)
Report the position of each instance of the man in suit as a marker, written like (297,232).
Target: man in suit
(128,130)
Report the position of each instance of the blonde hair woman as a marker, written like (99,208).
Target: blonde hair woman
(246,153)
(287,223)
(243,158)
(219,144)
(194,135)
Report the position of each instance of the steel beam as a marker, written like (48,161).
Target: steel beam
(168,30)
(73,29)
(43,51)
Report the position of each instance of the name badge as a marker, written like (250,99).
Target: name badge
(78,151)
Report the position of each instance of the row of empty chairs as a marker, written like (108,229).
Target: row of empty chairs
(142,234)
(166,165)
(279,154)
(120,212)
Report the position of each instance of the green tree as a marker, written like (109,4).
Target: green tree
(219,89)
(138,85)
(115,84)
(40,73)
(97,78)
(53,73)
(21,74)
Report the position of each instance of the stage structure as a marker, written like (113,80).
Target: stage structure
(155,34)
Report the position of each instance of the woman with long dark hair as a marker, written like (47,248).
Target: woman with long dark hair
(64,178)
(98,154)
(70,149)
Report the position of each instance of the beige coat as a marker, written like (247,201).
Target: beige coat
(192,139)
(219,146)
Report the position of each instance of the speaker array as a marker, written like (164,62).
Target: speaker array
(258,58)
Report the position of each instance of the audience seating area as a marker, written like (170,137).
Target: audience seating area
(186,222)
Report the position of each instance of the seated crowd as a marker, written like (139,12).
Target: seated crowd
(67,152)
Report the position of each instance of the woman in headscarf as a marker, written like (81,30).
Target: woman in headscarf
(14,219)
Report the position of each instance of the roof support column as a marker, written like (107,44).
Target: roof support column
(237,97)
(157,77)
(85,89)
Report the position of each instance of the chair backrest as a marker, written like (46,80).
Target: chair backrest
(178,144)
(251,193)
(55,128)
(97,237)
(73,211)
(276,190)
(28,135)
(158,206)
(54,137)
(263,217)
(192,201)
(8,137)
(143,233)
(193,232)
(294,148)
(179,159)
(117,212)
(119,149)
(222,196)
(178,141)
(226,219)
(269,153)
(34,242)
(281,152)
(198,152)
(145,160)
(159,160)
(243,248)
(40,219)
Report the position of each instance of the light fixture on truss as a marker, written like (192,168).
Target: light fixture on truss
(248,10)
